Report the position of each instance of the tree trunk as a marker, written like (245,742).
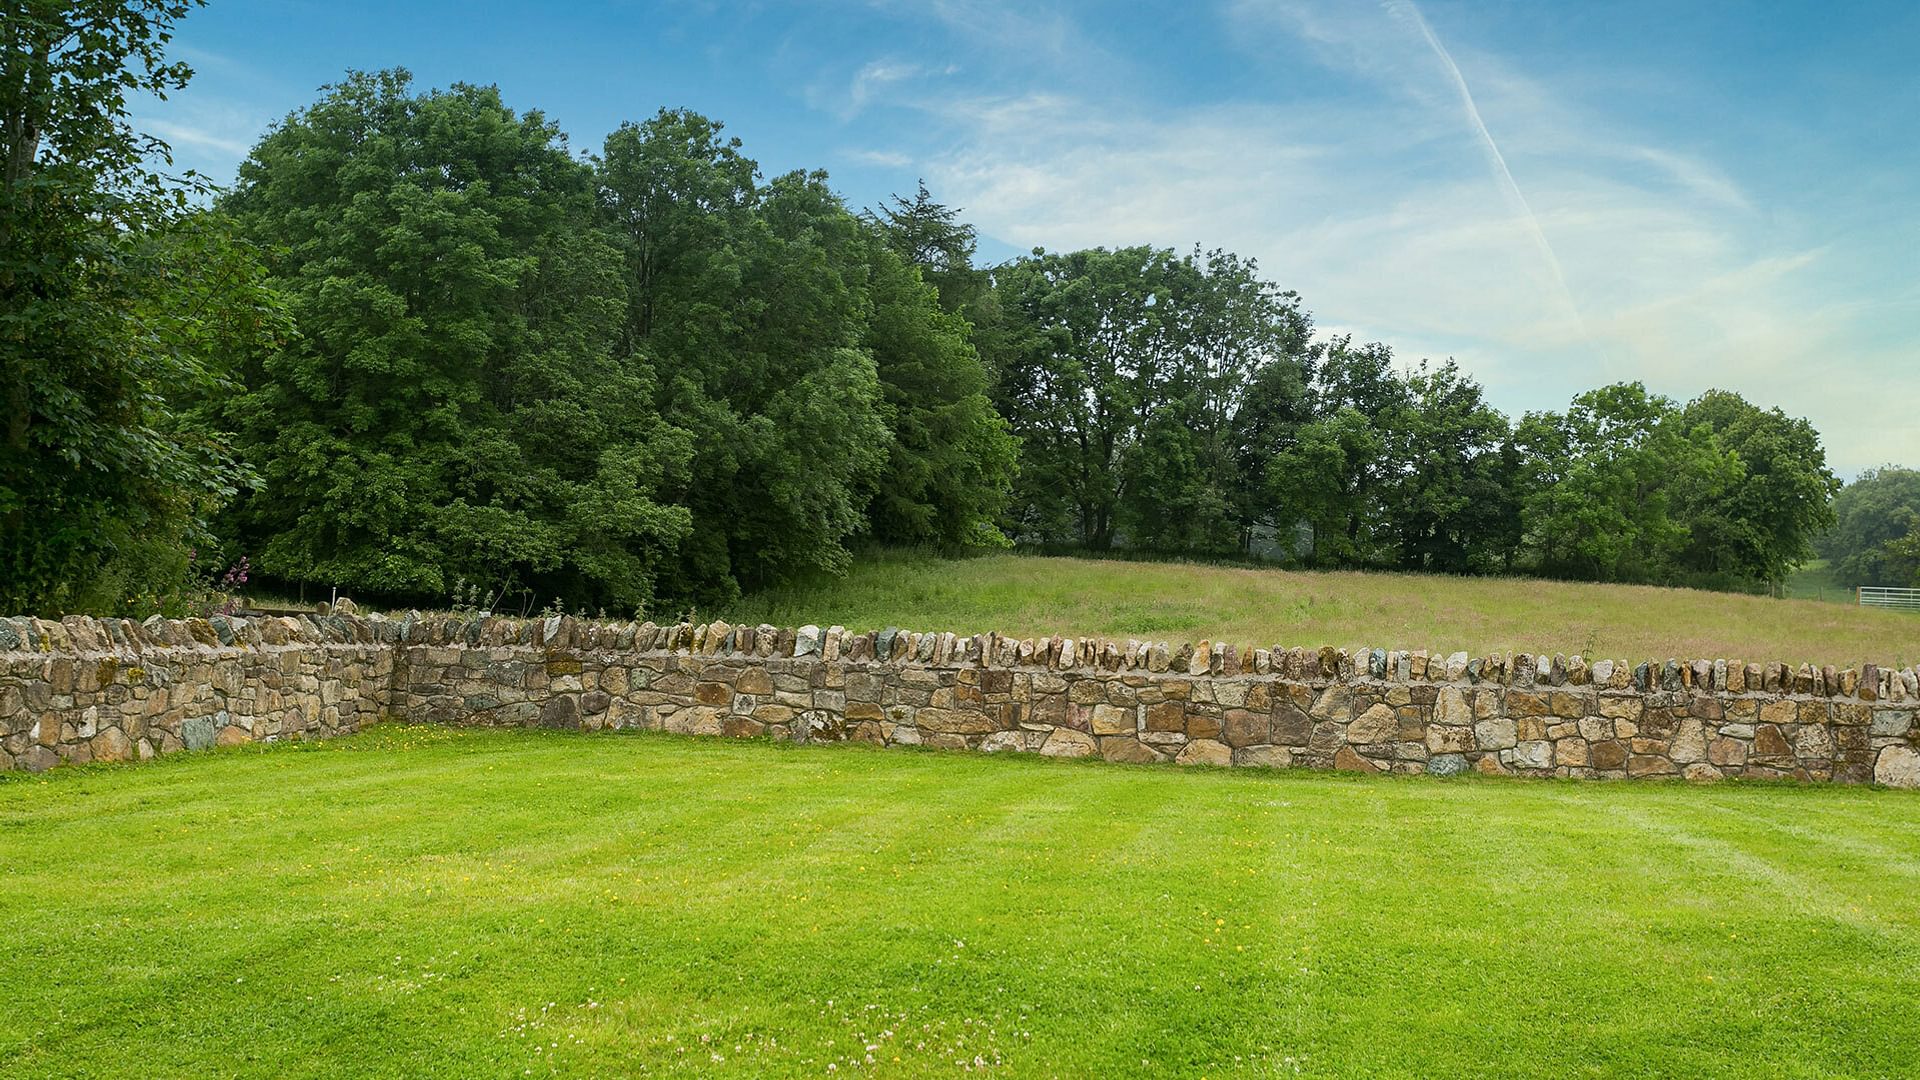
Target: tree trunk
(22,137)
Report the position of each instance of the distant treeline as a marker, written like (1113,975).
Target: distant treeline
(420,349)
(1875,539)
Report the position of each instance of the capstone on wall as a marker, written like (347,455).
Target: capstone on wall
(1368,710)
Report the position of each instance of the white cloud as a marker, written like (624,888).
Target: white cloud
(1019,28)
(179,135)
(208,133)
(872,78)
(1697,177)
(890,159)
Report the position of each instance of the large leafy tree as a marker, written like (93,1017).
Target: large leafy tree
(457,405)
(1761,523)
(1324,479)
(1070,325)
(1900,557)
(1603,479)
(951,460)
(1148,390)
(931,236)
(1231,392)
(1179,496)
(1083,360)
(1454,508)
(1339,471)
(111,309)
(753,302)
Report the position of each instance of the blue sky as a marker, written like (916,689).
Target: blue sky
(1558,195)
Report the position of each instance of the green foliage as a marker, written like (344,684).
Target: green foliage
(457,403)
(1148,390)
(1900,557)
(950,460)
(1456,507)
(1872,538)
(1409,469)
(1177,498)
(1627,487)
(1327,477)
(198,587)
(931,236)
(448,350)
(645,375)
(115,305)
(1761,523)
(1175,403)
(1339,471)
(1600,483)
(754,301)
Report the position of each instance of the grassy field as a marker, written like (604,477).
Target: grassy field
(1817,581)
(423,901)
(1028,595)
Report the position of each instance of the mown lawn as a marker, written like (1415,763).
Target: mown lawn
(1033,595)
(419,902)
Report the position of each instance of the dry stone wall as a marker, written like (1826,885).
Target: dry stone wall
(1369,710)
(83,690)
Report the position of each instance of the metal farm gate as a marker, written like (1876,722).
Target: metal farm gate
(1871,596)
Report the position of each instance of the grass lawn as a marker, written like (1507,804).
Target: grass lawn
(425,901)
(1031,595)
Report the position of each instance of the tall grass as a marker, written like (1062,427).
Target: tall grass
(1030,595)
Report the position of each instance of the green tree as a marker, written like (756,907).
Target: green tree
(1179,496)
(950,460)
(1900,557)
(1230,393)
(1454,507)
(753,301)
(1602,480)
(1762,523)
(1869,514)
(931,236)
(106,318)
(1323,480)
(1148,390)
(456,406)
(1083,350)
(1340,473)
(1277,403)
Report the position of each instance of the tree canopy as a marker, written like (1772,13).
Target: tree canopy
(456,404)
(116,308)
(1147,389)
(826,391)
(421,342)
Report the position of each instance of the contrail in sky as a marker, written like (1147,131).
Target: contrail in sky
(1501,173)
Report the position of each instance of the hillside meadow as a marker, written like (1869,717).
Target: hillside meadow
(1028,595)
